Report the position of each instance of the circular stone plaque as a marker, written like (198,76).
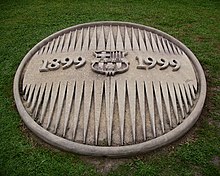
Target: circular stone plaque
(109,89)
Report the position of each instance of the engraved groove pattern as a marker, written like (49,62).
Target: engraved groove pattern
(87,39)
(67,97)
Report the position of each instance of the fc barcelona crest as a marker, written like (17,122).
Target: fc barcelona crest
(110,62)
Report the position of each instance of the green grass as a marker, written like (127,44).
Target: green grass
(194,22)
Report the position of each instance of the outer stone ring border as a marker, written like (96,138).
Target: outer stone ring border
(120,151)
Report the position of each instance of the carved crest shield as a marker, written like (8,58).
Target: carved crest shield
(110,62)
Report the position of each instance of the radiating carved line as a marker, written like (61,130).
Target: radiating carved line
(24,89)
(173,100)
(153,43)
(110,42)
(109,97)
(107,104)
(56,44)
(92,45)
(157,90)
(188,94)
(141,98)
(73,41)
(160,47)
(69,102)
(192,91)
(61,97)
(195,87)
(178,93)
(174,48)
(141,41)
(134,40)
(79,41)
(150,101)
(183,93)
(131,87)
(46,48)
(77,104)
(98,93)
(35,97)
(27,89)
(41,50)
(127,40)
(54,95)
(121,92)
(179,50)
(147,40)
(101,42)
(111,108)
(31,92)
(166,101)
(45,101)
(86,41)
(88,89)
(163,42)
(119,41)
(67,42)
(61,44)
(39,101)
(169,47)
(51,46)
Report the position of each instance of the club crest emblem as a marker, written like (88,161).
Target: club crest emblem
(110,62)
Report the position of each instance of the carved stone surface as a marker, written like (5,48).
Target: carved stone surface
(109,89)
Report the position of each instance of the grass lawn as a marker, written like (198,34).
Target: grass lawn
(194,22)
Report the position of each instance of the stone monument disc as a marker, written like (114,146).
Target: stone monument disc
(109,89)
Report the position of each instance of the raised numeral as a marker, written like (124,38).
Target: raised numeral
(44,66)
(64,63)
(163,63)
(176,64)
(80,61)
(67,62)
(54,65)
(140,63)
(151,62)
